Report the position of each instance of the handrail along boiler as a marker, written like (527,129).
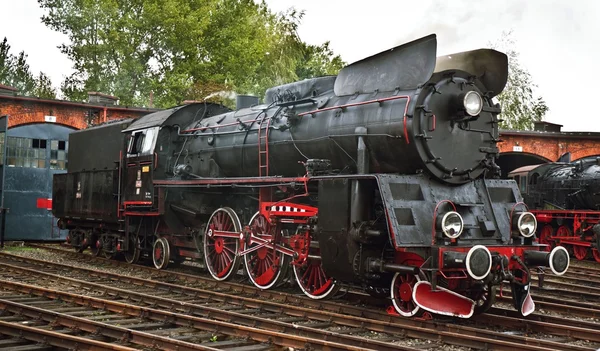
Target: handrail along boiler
(381,178)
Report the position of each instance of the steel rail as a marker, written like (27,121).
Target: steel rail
(446,332)
(90,326)
(539,298)
(574,308)
(283,335)
(48,337)
(567,289)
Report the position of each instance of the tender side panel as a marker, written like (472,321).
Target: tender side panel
(96,148)
(86,195)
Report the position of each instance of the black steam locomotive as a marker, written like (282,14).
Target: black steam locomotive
(379,178)
(565,197)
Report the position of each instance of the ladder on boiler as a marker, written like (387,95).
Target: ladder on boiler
(263,146)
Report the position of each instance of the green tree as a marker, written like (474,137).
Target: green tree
(5,62)
(520,106)
(15,72)
(178,49)
(43,87)
(318,60)
(22,78)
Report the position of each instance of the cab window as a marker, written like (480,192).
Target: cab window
(523,184)
(135,143)
(142,142)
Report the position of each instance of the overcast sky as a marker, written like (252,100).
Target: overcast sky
(557,40)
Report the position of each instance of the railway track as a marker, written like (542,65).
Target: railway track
(62,320)
(558,304)
(581,283)
(376,324)
(169,313)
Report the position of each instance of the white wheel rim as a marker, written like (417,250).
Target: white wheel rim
(166,253)
(393,294)
(237,227)
(307,293)
(248,268)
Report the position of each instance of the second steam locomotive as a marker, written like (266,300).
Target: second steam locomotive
(565,197)
(380,178)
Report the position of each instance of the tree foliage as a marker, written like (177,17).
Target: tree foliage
(180,49)
(15,72)
(43,87)
(318,60)
(521,107)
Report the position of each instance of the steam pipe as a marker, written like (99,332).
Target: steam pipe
(399,268)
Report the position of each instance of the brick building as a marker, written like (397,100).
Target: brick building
(99,108)
(34,146)
(544,144)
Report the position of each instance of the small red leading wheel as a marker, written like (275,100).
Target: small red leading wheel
(161,254)
(402,287)
(132,255)
(580,252)
(596,254)
(402,294)
(312,279)
(221,244)
(545,235)
(266,267)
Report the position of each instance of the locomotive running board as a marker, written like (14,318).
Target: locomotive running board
(442,301)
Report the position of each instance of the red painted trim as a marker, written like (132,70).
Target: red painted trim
(266,209)
(512,211)
(566,212)
(576,243)
(119,185)
(44,203)
(253,180)
(126,203)
(143,214)
(434,217)
(225,234)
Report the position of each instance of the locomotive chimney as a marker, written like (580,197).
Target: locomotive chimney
(245,101)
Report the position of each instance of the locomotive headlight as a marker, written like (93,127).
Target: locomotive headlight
(525,223)
(451,224)
(473,103)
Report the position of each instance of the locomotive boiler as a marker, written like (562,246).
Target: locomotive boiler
(565,197)
(380,178)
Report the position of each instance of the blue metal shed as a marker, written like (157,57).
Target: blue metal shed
(30,155)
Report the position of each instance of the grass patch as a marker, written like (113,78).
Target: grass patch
(8,248)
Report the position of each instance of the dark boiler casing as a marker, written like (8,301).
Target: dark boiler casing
(408,129)
(573,186)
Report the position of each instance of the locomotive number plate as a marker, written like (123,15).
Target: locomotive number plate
(146,169)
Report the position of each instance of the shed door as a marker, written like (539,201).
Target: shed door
(3,125)
(34,153)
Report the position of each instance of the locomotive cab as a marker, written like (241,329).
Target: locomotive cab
(140,162)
